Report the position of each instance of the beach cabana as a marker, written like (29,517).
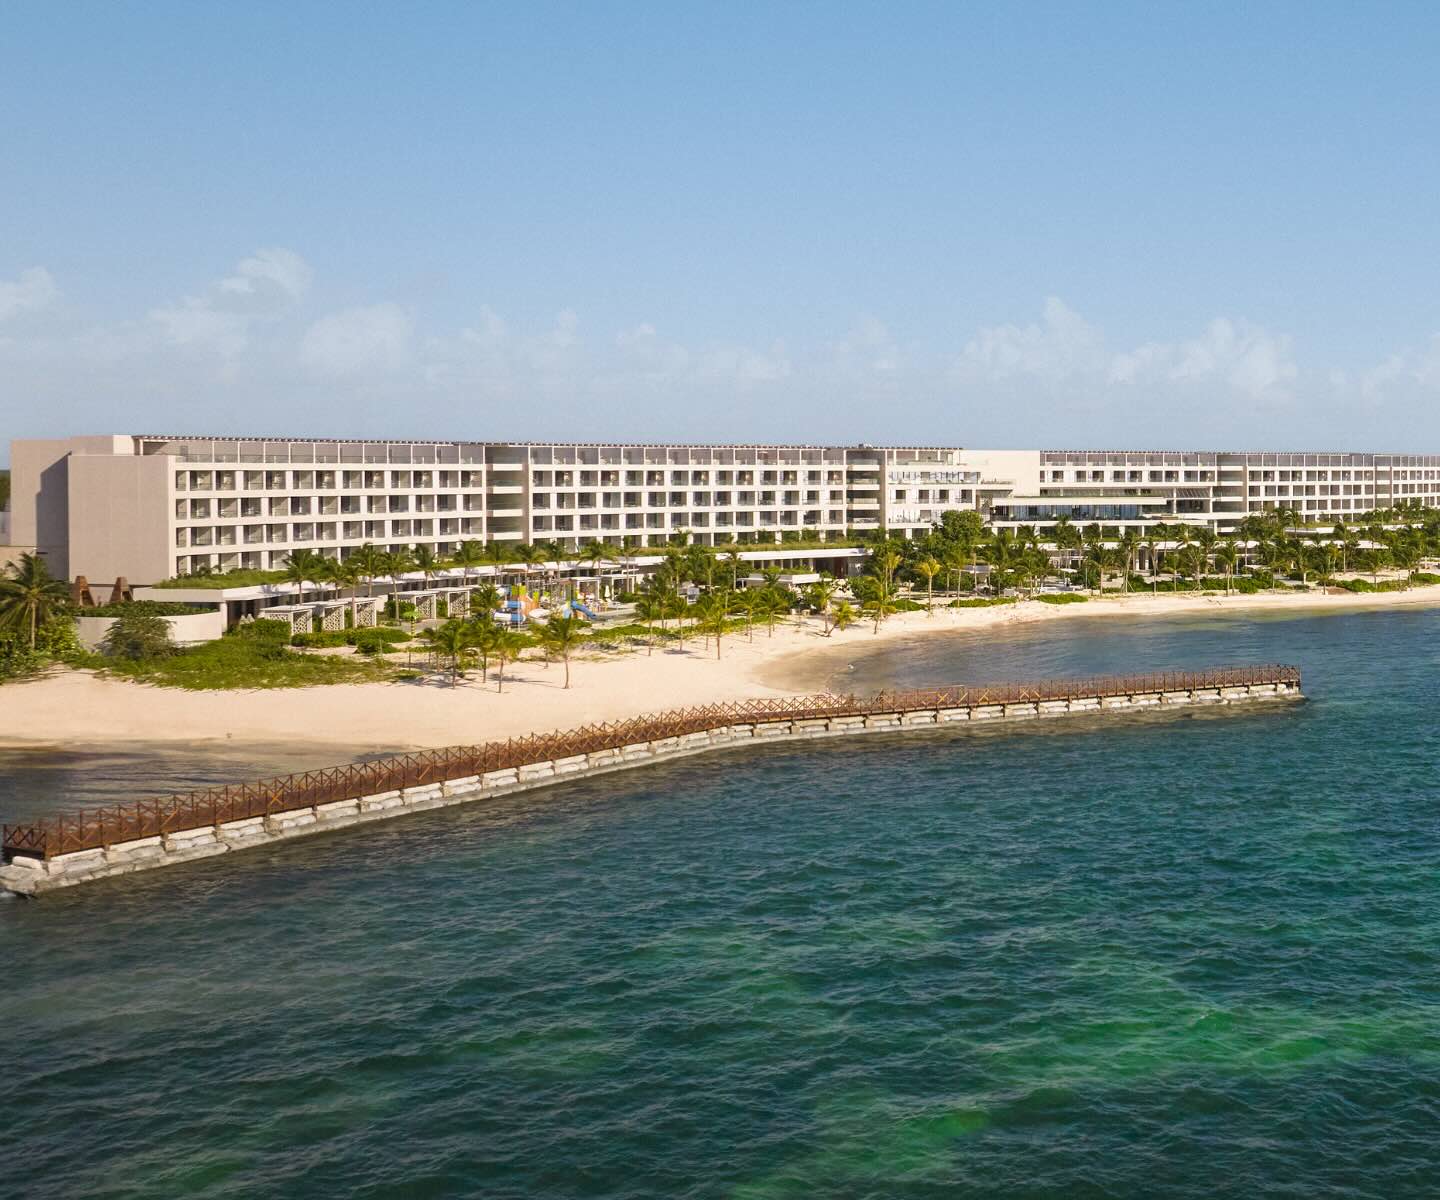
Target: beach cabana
(298,616)
(331,614)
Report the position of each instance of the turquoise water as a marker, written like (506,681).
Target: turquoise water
(1179,956)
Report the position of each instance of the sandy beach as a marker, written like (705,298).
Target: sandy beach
(69,707)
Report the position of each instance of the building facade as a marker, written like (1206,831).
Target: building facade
(153,507)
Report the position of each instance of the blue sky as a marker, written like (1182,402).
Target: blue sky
(999,225)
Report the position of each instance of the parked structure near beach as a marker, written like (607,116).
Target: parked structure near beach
(152,507)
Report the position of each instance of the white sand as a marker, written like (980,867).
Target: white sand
(79,707)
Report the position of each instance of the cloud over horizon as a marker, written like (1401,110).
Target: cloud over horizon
(254,340)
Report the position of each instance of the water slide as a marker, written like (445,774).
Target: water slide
(580,608)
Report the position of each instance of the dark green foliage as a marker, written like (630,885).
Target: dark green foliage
(238,578)
(138,635)
(1061,598)
(161,608)
(16,658)
(262,630)
(383,634)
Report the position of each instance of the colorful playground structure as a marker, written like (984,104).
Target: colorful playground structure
(519,605)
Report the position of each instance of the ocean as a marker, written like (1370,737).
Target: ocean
(1161,955)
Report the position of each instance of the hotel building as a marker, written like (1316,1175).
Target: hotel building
(151,507)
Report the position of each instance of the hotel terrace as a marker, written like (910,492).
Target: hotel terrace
(153,507)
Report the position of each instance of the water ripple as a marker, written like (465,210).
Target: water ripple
(1180,957)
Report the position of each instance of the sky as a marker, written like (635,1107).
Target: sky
(993,225)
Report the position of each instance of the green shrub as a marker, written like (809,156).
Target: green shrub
(1062,598)
(373,641)
(16,658)
(262,630)
(57,640)
(348,637)
(161,608)
(138,635)
(245,661)
(240,577)
(981,602)
(904,605)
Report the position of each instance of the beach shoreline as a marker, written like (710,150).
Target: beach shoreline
(79,708)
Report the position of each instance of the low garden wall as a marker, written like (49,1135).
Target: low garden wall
(185,630)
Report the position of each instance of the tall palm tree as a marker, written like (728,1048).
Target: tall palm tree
(1227,554)
(394,564)
(1000,553)
(842,618)
(368,560)
(595,555)
(468,555)
(1205,540)
(1127,546)
(747,600)
(508,645)
(885,562)
(880,605)
(425,560)
(1065,536)
(455,641)
(30,595)
(483,631)
(1097,558)
(1151,543)
(818,595)
(1184,537)
(650,608)
(713,611)
(561,635)
(929,567)
(497,554)
(302,567)
(485,600)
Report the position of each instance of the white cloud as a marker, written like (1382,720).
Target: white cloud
(1057,379)
(357,340)
(643,350)
(1063,344)
(1236,357)
(194,323)
(276,268)
(31,290)
(869,348)
(1250,359)
(262,288)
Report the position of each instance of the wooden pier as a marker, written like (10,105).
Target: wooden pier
(98,843)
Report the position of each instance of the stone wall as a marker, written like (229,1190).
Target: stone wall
(32,876)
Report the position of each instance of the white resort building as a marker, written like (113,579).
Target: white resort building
(151,507)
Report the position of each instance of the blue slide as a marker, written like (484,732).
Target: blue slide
(580,608)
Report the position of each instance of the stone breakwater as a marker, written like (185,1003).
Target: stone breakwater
(30,876)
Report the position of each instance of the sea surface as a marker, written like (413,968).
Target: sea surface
(1186,955)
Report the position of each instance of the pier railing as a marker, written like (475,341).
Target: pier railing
(91,828)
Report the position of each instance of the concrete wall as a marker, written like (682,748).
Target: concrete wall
(186,630)
(32,876)
(119,517)
(40,492)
